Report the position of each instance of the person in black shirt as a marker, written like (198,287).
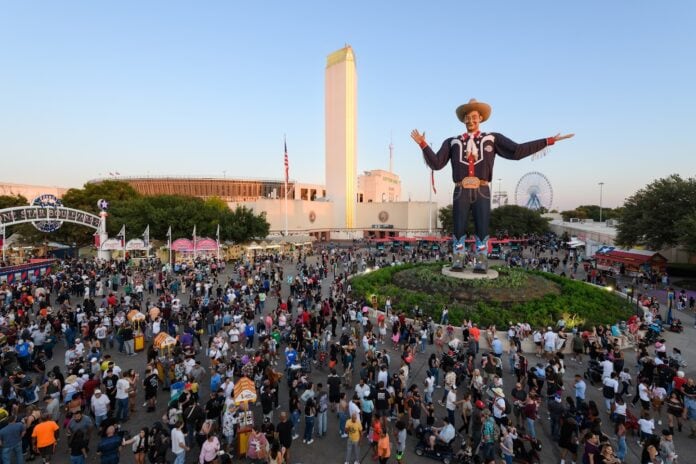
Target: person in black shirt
(267,401)
(78,445)
(382,400)
(109,381)
(213,407)
(414,408)
(269,430)
(151,382)
(334,382)
(284,434)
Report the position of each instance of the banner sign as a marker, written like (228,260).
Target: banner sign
(136,244)
(112,244)
(24,214)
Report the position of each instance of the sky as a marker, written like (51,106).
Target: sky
(210,88)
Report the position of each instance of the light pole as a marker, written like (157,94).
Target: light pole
(500,182)
(601,188)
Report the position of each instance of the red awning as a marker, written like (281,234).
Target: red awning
(433,238)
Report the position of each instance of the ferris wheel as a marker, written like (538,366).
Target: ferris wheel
(534,191)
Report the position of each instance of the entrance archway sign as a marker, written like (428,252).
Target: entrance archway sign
(24,214)
(46,217)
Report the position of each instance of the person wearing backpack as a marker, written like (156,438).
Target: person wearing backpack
(500,407)
(322,399)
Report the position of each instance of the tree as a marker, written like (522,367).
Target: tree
(182,214)
(444,214)
(686,227)
(591,212)
(115,192)
(10,201)
(518,221)
(660,215)
(513,219)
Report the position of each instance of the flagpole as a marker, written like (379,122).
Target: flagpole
(218,242)
(170,248)
(430,206)
(286,184)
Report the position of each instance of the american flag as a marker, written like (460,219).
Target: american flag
(432,181)
(287,163)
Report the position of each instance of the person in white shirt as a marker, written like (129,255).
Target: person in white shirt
(609,390)
(429,387)
(179,447)
(644,395)
(549,341)
(362,389)
(647,427)
(537,338)
(100,406)
(100,333)
(122,388)
(607,368)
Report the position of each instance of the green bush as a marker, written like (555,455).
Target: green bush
(590,305)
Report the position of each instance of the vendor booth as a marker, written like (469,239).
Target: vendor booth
(164,343)
(244,393)
(137,320)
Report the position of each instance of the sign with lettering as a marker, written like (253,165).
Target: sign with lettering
(48,218)
(112,244)
(47,201)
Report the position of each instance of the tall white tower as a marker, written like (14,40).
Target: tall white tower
(341,135)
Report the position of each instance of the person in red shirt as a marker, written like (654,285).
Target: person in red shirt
(679,381)
(475,335)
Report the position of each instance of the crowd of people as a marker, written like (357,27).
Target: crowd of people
(323,364)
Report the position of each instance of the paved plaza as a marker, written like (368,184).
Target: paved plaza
(331,449)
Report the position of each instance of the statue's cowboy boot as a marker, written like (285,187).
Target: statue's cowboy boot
(481,255)
(482,245)
(459,252)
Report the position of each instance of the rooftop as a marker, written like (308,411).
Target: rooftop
(587,226)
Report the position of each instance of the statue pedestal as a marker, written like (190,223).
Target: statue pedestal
(469,274)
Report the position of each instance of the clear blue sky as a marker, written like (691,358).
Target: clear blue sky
(195,88)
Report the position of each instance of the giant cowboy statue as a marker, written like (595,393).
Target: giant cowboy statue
(472,155)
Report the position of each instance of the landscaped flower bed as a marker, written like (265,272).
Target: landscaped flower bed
(517,295)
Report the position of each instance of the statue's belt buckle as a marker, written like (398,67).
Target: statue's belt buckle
(470,183)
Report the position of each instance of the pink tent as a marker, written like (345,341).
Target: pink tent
(182,244)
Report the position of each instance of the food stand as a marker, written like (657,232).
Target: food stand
(137,320)
(244,392)
(164,343)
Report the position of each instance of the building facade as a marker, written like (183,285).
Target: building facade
(378,186)
(30,191)
(340,113)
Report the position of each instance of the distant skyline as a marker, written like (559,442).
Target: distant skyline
(174,88)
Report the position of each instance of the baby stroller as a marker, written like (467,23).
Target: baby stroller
(594,372)
(653,333)
(527,455)
(676,326)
